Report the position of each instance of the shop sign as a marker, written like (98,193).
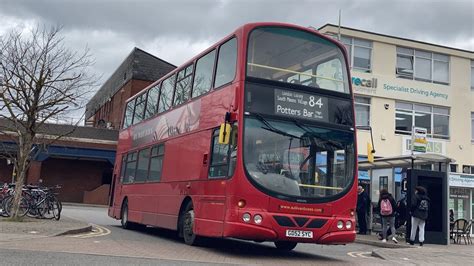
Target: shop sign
(459,193)
(461,180)
(432,146)
(419,141)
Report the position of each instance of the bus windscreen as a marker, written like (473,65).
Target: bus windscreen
(296,56)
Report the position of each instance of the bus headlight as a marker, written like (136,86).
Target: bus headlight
(258,218)
(340,224)
(348,225)
(246,217)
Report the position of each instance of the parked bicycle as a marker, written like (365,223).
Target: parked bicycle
(37,202)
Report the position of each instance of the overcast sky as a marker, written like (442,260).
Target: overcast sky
(177,30)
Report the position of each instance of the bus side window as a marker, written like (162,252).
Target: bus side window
(183,85)
(166,95)
(128,117)
(233,150)
(140,103)
(203,74)
(219,157)
(156,163)
(130,169)
(152,101)
(226,63)
(122,168)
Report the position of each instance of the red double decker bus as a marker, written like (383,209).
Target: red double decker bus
(253,139)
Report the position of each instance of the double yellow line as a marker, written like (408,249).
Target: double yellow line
(97,231)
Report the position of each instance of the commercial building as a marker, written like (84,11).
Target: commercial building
(401,83)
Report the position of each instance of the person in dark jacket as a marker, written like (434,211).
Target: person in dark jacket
(419,211)
(387,207)
(363,203)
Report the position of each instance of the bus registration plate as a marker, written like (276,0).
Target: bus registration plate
(299,233)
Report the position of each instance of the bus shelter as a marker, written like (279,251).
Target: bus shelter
(415,173)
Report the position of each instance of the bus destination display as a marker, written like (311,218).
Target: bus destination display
(301,105)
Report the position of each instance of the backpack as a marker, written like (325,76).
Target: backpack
(423,205)
(386,207)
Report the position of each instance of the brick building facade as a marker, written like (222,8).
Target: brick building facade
(136,72)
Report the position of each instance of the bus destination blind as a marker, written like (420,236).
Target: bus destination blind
(301,105)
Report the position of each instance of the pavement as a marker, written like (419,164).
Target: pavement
(429,254)
(31,228)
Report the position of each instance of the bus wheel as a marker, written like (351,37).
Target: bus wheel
(124,221)
(285,245)
(188,226)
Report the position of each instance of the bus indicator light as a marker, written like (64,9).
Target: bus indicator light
(258,218)
(241,203)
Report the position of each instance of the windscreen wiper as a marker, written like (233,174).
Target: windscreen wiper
(271,128)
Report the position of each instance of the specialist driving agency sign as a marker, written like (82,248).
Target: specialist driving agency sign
(419,140)
(301,105)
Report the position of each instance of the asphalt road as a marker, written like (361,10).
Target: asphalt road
(110,244)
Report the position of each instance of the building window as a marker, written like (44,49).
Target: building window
(468,169)
(453,168)
(434,119)
(472,75)
(359,52)
(362,111)
(383,182)
(472,127)
(422,65)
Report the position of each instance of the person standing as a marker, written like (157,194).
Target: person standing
(419,213)
(363,203)
(387,212)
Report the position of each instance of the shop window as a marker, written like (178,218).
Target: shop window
(359,52)
(362,111)
(434,119)
(383,182)
(422,65)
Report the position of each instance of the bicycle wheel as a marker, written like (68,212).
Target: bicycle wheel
(53,208)
(22,210)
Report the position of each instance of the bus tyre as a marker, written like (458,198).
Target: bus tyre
(190,238)
(285,245)
(126,224)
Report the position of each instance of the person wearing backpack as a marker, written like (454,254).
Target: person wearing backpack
(419,213)
(387,206)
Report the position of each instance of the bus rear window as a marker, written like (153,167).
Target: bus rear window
(295,56)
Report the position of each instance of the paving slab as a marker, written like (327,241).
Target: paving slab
(31,228)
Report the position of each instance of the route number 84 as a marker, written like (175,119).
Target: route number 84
(312,102)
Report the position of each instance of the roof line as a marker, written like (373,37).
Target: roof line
(136,48)
(395,37)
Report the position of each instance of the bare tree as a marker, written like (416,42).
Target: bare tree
(40,80)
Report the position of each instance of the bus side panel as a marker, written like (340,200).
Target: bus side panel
(116,199)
